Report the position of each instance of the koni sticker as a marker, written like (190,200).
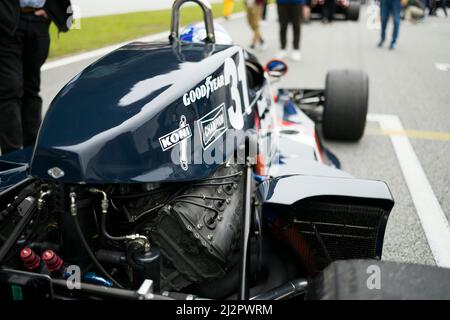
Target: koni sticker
(175,137)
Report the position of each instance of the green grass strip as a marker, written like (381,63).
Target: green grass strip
(97,32)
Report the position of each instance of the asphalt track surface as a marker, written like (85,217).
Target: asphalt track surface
(405,83)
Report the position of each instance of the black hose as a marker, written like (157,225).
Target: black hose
(27,191)
(91,254)
(31,237)
(198,197)
(105,232)
(142,194)
(223,177)
(200,205)
(212,184)
(144,213)
(17,231)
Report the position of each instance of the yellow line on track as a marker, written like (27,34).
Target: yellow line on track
(417,134)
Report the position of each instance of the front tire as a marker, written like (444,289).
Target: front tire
(346,104)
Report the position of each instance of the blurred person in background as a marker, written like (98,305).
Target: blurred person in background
(254,14)
(24,46)
(434,6)
(328,10)
(390,8)
(426,5)
(290,12)
(264,12)
(414,11)
(306,11)
(228,6)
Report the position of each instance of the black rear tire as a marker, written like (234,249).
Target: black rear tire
(346,102)
(352,12)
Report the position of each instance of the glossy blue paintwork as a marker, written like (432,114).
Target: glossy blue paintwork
(104,125)
(322,184)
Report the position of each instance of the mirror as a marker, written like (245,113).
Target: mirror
(276,68)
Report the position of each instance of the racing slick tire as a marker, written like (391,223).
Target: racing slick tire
(346,102)
(348,280)
(352,12)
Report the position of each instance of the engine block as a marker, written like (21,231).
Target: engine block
(199,230)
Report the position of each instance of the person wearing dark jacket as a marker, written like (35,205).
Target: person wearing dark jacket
(24,46)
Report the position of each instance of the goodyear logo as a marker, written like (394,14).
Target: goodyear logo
(204,90)
(175,137)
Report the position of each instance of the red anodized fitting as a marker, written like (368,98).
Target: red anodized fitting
(30,259)
(52,260)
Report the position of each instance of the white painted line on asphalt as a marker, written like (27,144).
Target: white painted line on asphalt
(433,219)
(442,66)
(103,51)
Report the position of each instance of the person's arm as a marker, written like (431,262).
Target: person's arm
(58,12)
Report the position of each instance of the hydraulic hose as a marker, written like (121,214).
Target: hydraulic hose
(91,254)
(105,205)
(27,191)
(120,238)
(105,232)
(18,229)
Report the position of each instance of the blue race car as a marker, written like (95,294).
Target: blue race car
(173,170)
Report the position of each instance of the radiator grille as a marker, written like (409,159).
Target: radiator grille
(335,231)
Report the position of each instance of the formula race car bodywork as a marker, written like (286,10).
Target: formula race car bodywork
(169,168)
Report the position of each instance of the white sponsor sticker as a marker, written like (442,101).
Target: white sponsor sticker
(204,90)
(175,137)
(212,126)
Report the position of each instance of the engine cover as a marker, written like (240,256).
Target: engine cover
(198,232)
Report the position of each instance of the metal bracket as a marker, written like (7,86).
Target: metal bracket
(145,291)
